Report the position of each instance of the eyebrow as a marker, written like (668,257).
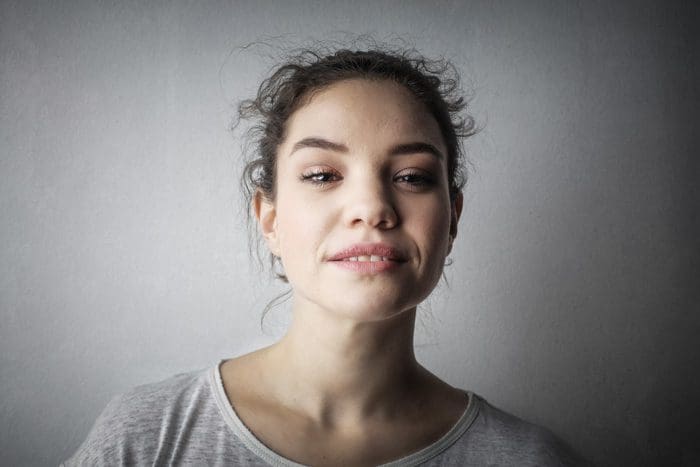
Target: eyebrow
(319,143)
(415,148)
(398,150)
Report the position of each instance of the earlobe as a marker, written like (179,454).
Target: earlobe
(266,215)
(456,212)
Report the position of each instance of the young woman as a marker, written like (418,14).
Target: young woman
(356,189)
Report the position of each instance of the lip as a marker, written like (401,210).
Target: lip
(369,249)
(391,258)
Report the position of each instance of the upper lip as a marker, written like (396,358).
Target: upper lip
(368,249)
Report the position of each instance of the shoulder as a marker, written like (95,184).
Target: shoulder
(496,437)
(143,408)
(136,424)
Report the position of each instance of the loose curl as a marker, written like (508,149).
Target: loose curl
(435,83)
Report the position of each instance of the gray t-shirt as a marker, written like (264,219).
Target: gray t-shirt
(187,420)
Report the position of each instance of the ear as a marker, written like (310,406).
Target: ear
(456,212)
(266,215)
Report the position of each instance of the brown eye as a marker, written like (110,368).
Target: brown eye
(415,179)
(319,177)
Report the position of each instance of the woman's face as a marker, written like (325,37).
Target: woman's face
(362,217)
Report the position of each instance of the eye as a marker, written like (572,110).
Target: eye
(415,180)
(319,176)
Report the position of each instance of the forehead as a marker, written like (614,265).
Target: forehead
(356,110)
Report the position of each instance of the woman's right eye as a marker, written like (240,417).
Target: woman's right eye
(319,177)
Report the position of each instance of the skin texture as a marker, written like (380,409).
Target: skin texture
(343,386)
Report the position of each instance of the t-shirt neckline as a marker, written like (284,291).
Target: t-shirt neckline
(256,446)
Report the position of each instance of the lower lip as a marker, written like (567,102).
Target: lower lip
(367,267)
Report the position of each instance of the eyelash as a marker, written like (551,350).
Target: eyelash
(420,179)
(416,180)
(317,173)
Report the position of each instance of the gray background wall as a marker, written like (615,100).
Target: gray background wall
(574,290)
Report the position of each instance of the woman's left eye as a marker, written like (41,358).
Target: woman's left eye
(415,179)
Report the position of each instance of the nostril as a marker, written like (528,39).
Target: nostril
(371,205)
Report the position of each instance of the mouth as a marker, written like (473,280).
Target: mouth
(368,258)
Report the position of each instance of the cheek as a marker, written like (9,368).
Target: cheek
(302,218)
(430,221)
(299,231)
(437,239)
(430,231)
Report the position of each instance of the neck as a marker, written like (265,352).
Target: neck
(331,367)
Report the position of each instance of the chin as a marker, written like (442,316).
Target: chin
(370,310)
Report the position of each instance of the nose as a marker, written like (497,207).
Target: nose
(371,203)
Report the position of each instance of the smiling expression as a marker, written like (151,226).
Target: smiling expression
(362,215)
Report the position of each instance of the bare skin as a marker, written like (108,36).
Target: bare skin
(314,399)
